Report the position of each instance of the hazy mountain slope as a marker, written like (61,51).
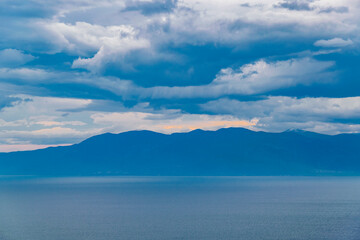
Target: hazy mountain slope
(232,151)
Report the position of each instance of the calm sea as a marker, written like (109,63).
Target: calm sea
(109,208)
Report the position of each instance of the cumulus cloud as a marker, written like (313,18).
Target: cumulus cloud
(104,35)
(281,113)
(110,43)
(186,21)
(258,77)
(79,29)
(13,57)
(334,43)
(254,78)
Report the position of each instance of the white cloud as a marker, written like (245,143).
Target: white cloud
(102,32)
(281,113)
(110,43)
(334,43)
(31,117)
(15,123)
(27,74)
(46,136)
(48,132)
(37,106)
(241,22)
(47,121)
(253,78)
(13,57)
(191,21)
(57,123)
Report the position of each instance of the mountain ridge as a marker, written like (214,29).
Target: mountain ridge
(227,151)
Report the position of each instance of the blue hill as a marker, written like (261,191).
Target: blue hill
(230,151)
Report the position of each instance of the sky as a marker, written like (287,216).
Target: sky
(71,69)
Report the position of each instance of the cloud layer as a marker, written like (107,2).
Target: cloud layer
(325,115)
(72,69)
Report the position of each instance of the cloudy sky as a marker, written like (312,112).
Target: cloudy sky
(70,69)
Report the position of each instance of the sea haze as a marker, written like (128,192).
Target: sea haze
(98,208)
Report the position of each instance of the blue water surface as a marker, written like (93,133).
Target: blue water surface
(109,208)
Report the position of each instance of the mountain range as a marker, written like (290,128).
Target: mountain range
(225,152)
